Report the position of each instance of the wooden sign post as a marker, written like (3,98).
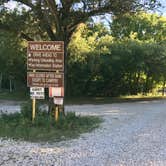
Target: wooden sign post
(46,60)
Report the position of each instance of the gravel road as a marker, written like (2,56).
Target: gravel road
(132,134)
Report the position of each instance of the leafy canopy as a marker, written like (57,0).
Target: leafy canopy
(60,18)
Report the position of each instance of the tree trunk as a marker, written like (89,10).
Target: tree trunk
(10,84)
(0,82)
(146,84)
(163,89)
(137,82)
(65,76)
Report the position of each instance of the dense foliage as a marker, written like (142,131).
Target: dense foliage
(123,61)
(12,62)
(129,57)
(58,19)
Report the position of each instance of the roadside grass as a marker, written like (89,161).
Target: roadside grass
(24,96)
(15,95)
(109,100)
(44,128)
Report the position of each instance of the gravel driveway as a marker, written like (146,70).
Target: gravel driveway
(133,134)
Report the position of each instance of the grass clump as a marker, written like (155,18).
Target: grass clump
(44,128)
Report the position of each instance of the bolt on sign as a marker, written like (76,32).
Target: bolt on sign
(45,79)
(45,56)
(37,92)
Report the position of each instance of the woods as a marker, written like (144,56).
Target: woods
(125,58)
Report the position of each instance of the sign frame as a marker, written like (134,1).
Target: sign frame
(40,54)
(45,80)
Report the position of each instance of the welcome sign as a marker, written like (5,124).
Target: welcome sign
(45,56)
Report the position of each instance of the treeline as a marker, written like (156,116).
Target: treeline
(126,58)
(12,62)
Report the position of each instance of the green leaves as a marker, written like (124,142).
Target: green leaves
(147,27)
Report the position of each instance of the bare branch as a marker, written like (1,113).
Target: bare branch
(26,37)
(53,7)
(43,21)
(26,2)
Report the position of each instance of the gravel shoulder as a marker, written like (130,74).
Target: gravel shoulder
(132,134)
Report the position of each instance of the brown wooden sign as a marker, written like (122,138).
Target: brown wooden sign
(45,79)
(45,56)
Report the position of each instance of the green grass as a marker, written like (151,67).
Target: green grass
(20,126)
(15,95)
(109,100)
(24,96)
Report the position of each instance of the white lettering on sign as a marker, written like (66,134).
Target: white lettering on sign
(48,47)
(37,92)
(45,79)
(45,56)
(36,89)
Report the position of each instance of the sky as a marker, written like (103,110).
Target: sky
(162,10)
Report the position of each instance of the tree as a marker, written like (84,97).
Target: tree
(87,50)
(12,62)
(57,20)
(143,26)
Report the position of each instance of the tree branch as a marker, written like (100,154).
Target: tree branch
(53,7)
(25,36)
(26,2)
(44,21)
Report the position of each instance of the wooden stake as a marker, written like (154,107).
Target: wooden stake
(33,107)
(56,114)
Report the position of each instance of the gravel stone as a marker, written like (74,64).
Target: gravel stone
(132,134)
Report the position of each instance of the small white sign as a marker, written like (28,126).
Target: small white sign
(56,92)
(58,101)
(37,92)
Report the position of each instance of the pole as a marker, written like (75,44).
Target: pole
(56,113)
(33,107)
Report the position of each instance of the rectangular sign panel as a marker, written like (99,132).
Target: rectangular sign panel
(56,91)
(48,56)
(45,79)
(58,101)
(37,92)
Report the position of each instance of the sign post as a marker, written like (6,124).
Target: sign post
(33,107)
(46,60)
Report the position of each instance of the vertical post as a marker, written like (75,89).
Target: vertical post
(65,75)
(33,107)
(56,113)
